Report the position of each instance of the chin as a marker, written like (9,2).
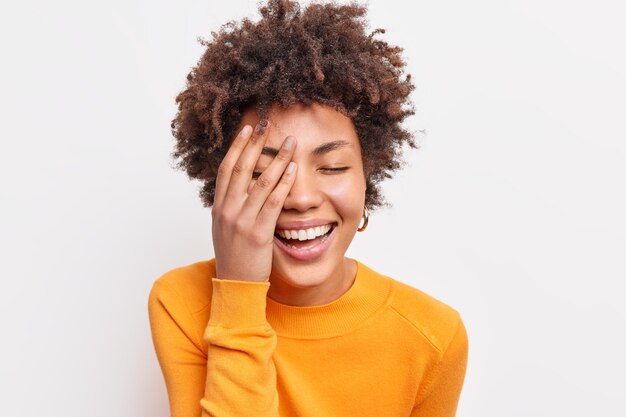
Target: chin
(303,274)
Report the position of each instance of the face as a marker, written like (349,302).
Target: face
(329,189)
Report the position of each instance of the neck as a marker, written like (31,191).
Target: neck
(322,293)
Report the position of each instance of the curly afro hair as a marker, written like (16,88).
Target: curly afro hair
(321,54)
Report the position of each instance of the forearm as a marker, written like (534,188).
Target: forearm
(241,376)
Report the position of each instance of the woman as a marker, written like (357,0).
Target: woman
(291,123)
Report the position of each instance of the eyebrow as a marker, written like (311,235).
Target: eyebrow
(320,150)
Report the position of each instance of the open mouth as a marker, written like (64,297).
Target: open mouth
(300,239)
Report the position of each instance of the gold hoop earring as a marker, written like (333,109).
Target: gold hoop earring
(365,221)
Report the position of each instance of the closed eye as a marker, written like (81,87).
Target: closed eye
(335,169)
(256,175)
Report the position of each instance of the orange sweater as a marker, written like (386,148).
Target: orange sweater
(381,349)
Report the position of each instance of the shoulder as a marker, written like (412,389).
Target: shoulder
(433,319)
(190,284)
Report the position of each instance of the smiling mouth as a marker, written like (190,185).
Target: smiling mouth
(305,243)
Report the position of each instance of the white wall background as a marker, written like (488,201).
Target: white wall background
(512,211)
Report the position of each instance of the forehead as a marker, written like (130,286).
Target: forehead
(311,125)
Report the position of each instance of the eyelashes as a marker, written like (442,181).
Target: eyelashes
(338,169)
(257,174)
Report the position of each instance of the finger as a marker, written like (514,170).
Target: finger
(229,160)
(268,216)
(241,173)
(264,185)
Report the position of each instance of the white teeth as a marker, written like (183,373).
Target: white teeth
(305,234)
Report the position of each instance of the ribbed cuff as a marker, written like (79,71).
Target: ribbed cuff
(238,303)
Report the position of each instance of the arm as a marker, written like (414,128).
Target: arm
(236,377)
(439,394)
(241,376)
(178,349)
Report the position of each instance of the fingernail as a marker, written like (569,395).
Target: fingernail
(291,167)
(260,127)
(288,143)
(246,130)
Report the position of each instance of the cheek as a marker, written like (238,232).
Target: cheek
(348,197)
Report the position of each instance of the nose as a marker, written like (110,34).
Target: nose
(305,193)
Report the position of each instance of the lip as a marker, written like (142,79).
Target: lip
(309,254)
(303,225)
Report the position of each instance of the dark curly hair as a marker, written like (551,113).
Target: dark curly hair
(321,54)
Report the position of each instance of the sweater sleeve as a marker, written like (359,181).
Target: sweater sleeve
(236,375)
(177,343)
(241,376)
(439,396)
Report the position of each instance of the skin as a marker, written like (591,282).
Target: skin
(254,193)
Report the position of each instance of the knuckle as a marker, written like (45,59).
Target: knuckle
(286,178)
(283,156)
(223,169)
(263,182)
(254,139)
(257,138)
(225,219)
(257,238)
(239,168)
(240,226)
(273,202)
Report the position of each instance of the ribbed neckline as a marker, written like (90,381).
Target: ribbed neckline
(369,292)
